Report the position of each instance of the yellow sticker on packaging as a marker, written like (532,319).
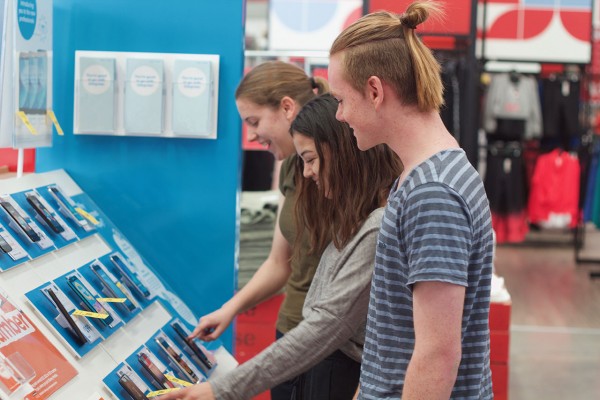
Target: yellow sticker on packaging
(89,314)
(125,292)
(55,122)
(111,300)
(178,381)
(23,117)
(87,216)
(160,392)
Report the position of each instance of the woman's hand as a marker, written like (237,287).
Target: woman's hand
(202,391)
(211,326)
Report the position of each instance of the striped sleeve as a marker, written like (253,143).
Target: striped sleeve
(437,224)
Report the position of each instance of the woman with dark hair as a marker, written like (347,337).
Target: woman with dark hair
(268,99)
(340,192)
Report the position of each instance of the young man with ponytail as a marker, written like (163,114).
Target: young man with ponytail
(427,329)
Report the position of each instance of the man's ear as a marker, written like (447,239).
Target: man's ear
(288,106)
(374,91)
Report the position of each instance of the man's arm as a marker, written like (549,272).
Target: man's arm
(432,370)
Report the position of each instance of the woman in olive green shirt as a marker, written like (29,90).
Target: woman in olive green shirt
(268,99)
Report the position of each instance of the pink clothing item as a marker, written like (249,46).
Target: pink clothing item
(554,196)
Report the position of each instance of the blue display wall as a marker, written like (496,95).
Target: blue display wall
(174,199)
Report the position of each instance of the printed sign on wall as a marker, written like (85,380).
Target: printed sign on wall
(27,356)
(309,24)
(536,30)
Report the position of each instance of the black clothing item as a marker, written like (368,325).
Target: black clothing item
(560,109)
(508,129)
(257,170)
(334,378)
(504,181)
(451,110)
(284,390)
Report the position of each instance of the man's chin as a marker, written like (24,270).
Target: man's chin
(275,153)
(362,144)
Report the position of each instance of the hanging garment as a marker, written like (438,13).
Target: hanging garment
(588,208)
(451,110)
(560,109)
(554,192)
(513,97)
(507,193)
(596,201)
(511,228)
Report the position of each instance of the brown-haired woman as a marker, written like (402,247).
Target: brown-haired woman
(340,195)
(427,335)
(268,99)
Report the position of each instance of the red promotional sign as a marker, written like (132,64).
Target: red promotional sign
(456,21)
(595,65)
(28,357)
(537,31)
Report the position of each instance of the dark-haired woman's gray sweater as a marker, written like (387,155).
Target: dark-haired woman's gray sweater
(335,315)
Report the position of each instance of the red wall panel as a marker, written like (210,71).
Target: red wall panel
(457,19)
(9,157)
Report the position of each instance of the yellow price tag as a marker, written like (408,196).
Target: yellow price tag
(160,392)
(87,215)
(178,381)
(125,292)
(23,117)
(111,300)
(55,122)
(89,314)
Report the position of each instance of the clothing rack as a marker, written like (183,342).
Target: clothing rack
(466,104)
(582,147)
(580,232)
(505,148)
(511,149)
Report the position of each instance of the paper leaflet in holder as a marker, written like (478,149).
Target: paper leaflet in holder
(21,223)
(144,96)
(192,97)
(96,91)
(67,207)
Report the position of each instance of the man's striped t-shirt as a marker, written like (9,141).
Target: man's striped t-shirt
(436,227)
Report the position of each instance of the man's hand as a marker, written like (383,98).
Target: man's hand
(202,391)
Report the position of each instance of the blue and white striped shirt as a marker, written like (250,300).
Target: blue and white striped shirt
(436,227)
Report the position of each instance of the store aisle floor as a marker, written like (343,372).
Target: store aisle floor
(555,323)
